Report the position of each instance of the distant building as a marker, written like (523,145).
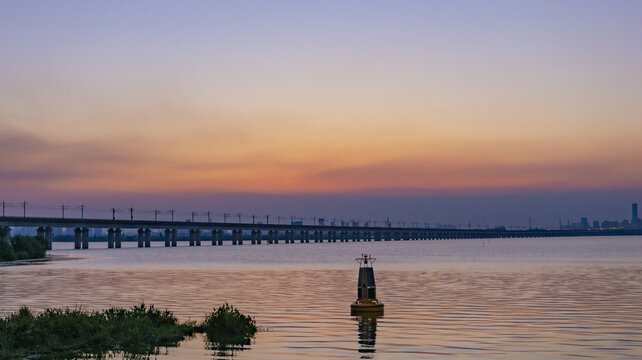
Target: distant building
(297,222)
(596,225)
(321,221)
(634,211)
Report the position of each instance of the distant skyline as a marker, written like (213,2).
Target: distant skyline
(450,111)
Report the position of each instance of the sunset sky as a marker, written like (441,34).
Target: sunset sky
(381,104)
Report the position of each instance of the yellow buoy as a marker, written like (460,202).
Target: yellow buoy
(366,288)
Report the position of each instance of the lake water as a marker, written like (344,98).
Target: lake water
(553,298)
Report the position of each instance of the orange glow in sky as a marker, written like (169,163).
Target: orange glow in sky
(306,99)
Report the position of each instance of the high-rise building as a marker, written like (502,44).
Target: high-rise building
(634,211)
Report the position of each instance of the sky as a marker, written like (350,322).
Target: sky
(430,111)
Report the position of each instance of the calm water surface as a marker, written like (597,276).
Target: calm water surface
(562,298)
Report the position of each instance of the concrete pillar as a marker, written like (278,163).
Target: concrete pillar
(197,237)
(49,237)
(377,236)
(141,237)
(191,237)
(148,236)
(258,236)
(307,236)
(85,238)
(234,236)
(118,239)
(214,233)
(168,237)
(110,238)
(174,237)
(387,236)
(240,239)
(77,238)
(219,236)
(253,237)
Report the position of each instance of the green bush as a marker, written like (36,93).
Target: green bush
(6,251)
(22,248)
(226,325)
(29,247)
(141,330)
(68,334)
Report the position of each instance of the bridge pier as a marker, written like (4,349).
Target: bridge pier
(85,238)
(197,237)
(49,237)
(377,236)
(333,236)
(40,232)
(110,238)
(253,237)
(259,234)
(141,238)
(237,237)
(148,235)
(219,237)
(316,236)
(191,237)
(77,238)
(174,237)
(119,237)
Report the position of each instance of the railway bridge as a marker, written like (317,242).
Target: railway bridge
(218,233)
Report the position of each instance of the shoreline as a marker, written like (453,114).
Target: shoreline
(46,259)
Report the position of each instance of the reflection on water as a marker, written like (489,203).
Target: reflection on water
(225,351)
(439,303)
(367,333)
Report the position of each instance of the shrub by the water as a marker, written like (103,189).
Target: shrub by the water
(227,325)
(70,334)
(22,248)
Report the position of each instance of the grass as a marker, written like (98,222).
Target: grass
(141,330)
(22,247)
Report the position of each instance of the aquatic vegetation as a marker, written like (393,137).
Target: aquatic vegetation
(141,330)
(22,248)
(228,328)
